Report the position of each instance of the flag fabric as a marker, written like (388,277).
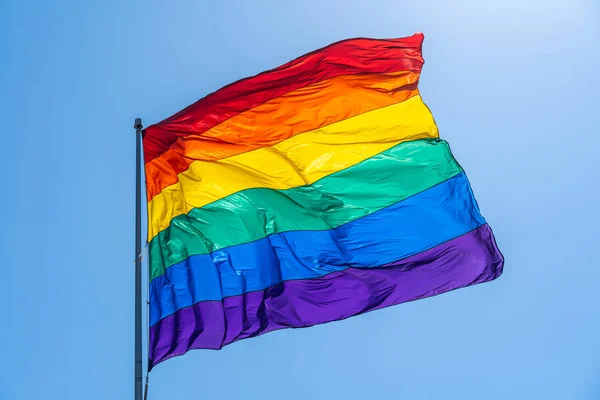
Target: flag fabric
(309,193)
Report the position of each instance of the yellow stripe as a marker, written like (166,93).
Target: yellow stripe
(300,160)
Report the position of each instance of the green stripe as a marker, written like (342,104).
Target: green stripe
(334,200)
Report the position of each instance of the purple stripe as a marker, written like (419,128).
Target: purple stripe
(467,260)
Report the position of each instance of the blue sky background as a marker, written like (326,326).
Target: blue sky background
(513,86)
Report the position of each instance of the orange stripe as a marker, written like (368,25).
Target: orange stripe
(296,112)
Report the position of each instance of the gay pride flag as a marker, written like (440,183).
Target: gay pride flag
(309,193)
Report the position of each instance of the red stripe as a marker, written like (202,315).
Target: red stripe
(353,56)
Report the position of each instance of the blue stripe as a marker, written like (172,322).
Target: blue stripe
(408,227)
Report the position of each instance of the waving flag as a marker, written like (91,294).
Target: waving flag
(309,193)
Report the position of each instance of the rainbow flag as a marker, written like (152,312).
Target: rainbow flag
(309,193)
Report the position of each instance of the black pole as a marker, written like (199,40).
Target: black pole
(138,261)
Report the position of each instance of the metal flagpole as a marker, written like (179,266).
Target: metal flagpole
(138,261)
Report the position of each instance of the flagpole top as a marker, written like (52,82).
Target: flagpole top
(138,123)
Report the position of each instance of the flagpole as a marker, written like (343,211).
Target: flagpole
(138,260)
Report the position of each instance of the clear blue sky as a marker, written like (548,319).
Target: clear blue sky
(513,86)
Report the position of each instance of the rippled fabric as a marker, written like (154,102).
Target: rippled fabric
(313,192)
(296,112)
(330,202)
(299,160)
(400,230)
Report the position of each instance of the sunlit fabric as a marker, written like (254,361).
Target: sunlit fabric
(310,193)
